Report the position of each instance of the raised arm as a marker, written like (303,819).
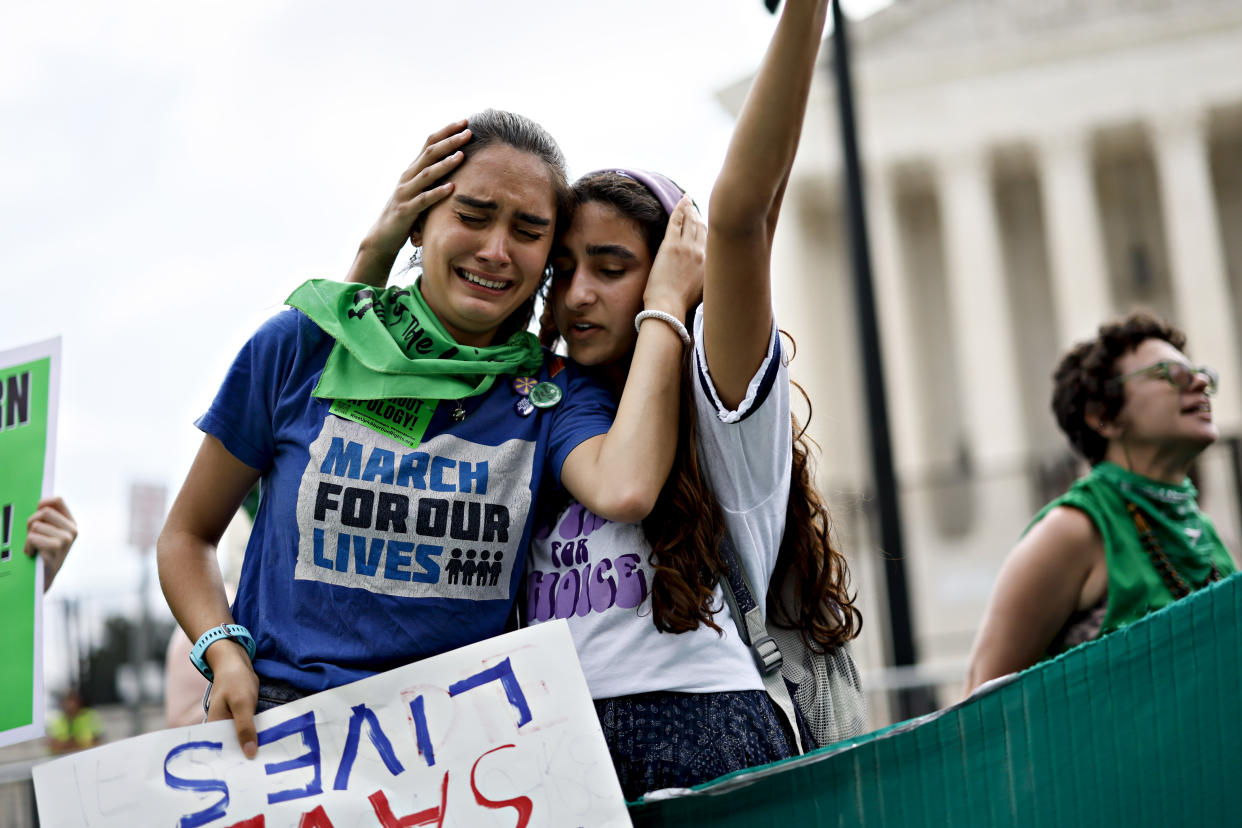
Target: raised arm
(1058,567)
(619,475)
(190,577)
(737,296)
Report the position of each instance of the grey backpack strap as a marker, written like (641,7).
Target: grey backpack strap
(750,626)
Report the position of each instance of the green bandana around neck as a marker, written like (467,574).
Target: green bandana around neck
(1172,508)
(1184,534)
(390,344)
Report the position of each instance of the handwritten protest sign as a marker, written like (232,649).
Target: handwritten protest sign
(29,377)
(500,733)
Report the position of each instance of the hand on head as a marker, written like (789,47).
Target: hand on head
(676,281)
(415,193)
(50,531)
(483,260)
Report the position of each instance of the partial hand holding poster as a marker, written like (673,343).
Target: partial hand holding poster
(29,378)
(500,733)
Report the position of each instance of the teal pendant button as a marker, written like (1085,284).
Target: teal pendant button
(545,395)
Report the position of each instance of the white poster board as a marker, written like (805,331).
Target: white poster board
(500,733)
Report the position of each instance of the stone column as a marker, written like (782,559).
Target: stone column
(1079,270)
(896,323)
(1196,254)
(979,305)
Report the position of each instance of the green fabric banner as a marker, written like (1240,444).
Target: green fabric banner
(26,402)
(1139,728)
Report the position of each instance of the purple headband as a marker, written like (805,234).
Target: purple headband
(662,187)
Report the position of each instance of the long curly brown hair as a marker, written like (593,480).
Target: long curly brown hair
(810,587)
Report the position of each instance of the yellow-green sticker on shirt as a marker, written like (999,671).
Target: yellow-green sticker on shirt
(404,420)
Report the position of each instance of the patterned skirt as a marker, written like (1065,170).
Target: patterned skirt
(676,740)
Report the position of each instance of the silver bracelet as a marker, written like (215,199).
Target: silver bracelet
(663,317)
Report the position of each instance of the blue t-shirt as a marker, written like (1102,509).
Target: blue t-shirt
(367,554)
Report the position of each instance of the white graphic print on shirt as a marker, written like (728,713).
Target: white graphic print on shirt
(582,580)
(430,523)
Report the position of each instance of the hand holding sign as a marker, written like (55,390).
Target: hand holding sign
(500,733)
(50,532)
(234,691)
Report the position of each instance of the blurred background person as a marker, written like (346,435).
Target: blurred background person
(1128,538)
(75,726)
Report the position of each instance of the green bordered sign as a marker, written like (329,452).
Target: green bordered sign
(29,377)
(404,420)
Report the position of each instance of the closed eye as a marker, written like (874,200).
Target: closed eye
(466,218)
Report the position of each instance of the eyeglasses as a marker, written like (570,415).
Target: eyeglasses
(1177,374)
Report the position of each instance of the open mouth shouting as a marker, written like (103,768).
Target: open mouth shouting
(1201,407)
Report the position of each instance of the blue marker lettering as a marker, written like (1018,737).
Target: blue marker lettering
(178,783)
(502,672)
(420,731)
(305,726)
(384,747)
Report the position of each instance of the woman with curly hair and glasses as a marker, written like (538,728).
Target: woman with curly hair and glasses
(1128,538)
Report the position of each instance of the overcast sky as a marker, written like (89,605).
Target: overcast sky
(171,171)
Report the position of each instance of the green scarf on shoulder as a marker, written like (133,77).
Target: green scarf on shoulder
(390,344)
(1184,534)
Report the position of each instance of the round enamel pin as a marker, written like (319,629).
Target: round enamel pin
(523,385)
(545,395)
(524,407)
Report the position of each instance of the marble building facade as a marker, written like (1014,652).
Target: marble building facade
(1031,170)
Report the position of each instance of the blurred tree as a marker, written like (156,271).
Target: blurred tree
(103,662)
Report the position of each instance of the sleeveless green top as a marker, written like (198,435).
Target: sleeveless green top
(1183,533)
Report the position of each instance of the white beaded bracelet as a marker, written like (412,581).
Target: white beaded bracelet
(663,317)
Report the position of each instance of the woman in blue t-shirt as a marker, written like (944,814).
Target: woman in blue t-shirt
(678,694)
(400,437)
